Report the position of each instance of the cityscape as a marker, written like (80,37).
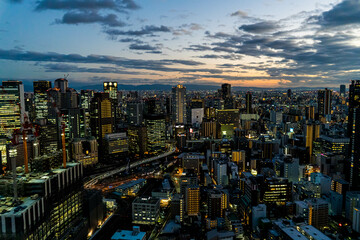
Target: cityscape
(124,120)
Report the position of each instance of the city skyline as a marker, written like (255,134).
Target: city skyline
(272,44)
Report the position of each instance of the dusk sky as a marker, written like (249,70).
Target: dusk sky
(255,43)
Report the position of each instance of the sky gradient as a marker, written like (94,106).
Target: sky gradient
(268,43)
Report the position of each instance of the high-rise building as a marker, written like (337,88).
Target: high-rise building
(342,90)
(85,150)
(324,102)
(134,111)
(217,203)
(179,104)
(62,84)
(145,210)
(226,96)
(192,197)
(41,101)
(111,88)
(248,102)
(221,172)
(356,219)
(257,213)
(101,119)
(12,106)
(156,133)
(354,134)
(318,212)
(85,100)
(352,200)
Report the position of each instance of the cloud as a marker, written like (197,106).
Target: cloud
(110,20)
(260,27)
(239,13)
(147,30)
(147,47)
(345,13)
(165,65)
(87,5)
(15,1)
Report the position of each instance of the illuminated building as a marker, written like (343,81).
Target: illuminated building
(55,100)
(84,150)
(335,144)
(318,212)
(145,210)
(156,135)
(356,219)
(111,88)
(41,102)
(130,188)
(48,137)
(101,116)
(340,186)
(191,161)
(220,172)
(134,113)
(226,96)
(312,132)
(210,129)
(12,106)
(228,116)
(137,140)
(324,102)
(74,120)
(179,104)
(115,146)
(217,203)
(354,134)
(276,190)
(248,103)
(187,180)
(192,196)
(54,210)
(85,100)
(310,113)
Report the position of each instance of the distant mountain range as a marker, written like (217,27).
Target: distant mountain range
(163,87)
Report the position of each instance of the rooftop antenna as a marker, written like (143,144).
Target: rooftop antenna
(66,76)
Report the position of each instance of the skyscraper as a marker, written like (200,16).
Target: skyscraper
(249,103)
(342,90)
(354,134)
(41,102)
(102,119)
(226,96)
(324,102)
(192,200)
(179,104)
(12,106)
(111,88)
(62,84)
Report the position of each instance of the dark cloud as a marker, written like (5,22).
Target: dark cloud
(86,5)
(147,30)
(110,20)
(260,27)
(345,13)
(147,47)
(165,65)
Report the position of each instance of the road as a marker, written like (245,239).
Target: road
(99,177)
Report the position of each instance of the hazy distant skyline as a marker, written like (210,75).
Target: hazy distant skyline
(253,43)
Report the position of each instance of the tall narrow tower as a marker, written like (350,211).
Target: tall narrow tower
(179,104)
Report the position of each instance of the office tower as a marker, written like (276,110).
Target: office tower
(54,104)
(74,120)
(51,206)
(342,90)
(257,213)
(354,134)
(226,96)
(352,200)
(249,103)
(85,100)
(154,106)
(310,113)
(291,169)
(61,84)
(191,161)
(340,186)
(210,129)
(116,146)
(336,203)
(84,150)
(111,88)
(276,190)
(134,111)
(324,102)
(197,115)
(186,180)
(192,197)
(312,132)
(137,140)
(101,116)
(156,133)
(48,137)
(69,99)
(220,172)
(12,107)
(217,203)
(179,104)
(318,212)
(145,210)
(41,101)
